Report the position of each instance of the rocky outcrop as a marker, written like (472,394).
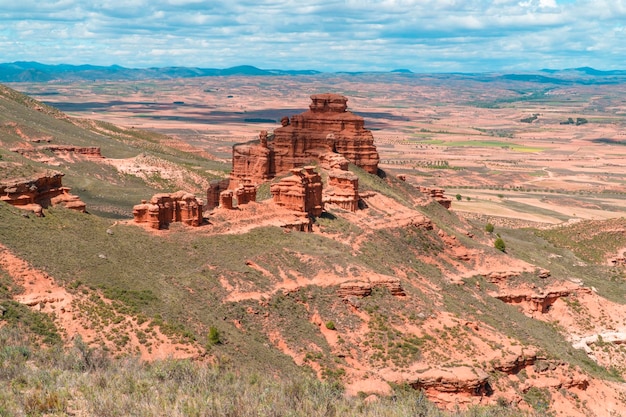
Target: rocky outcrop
(326,129)
(342,190)
(532,301)
(42,192)
(213,193)
(226,199)
(302,224)
(245,194)
(252,162)
(512,363)
(364,288)
(355,289)
(460,379)
(164,209)
(438,195)
(301,191)
(86,151)
(331,160)
(500,276)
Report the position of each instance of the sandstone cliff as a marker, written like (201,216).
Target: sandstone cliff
(328,127)
(41,192)
(164,209)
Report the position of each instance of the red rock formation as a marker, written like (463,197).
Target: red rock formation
(500,276)
(533,301)
(363,289)
(252,161)
(342,190)
(460,379)
(326,128)
(164,209)
(213,193)
(245,194)
(39,193)
(355,289)
(226,199)
(331,160)
(437,194)
(87,151)
(512,363)
(303,224)
(301,191)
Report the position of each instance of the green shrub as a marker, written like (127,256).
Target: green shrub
(330,325)
(459,197)
(214,336)
(499,244)
(489,228)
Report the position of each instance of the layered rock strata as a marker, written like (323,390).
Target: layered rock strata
(213,193)
(326,128)
(38,193)
(342,190)
(245,194)
(301,191)
(86,151)
(164,209)
(438,195)
(460,379)
(364,288)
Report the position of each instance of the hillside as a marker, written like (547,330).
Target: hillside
(392,303)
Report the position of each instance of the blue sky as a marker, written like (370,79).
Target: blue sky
(326,35)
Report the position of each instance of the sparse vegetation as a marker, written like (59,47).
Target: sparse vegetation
(246,299)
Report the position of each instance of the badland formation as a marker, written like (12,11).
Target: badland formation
(389,287)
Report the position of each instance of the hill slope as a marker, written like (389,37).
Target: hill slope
(401,294)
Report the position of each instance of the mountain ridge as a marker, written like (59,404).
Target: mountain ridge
(31,71)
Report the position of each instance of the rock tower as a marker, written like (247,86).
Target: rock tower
(326,129)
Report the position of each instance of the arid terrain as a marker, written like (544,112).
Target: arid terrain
(396,290)
(457,133)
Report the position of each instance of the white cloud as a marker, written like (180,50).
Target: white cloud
(452,35)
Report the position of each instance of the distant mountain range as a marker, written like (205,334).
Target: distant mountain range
(37,72)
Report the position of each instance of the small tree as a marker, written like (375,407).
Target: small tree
(499,244)
(489,228)
(458,197)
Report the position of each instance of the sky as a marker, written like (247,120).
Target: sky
(323,35)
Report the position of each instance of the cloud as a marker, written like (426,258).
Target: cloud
(441,35)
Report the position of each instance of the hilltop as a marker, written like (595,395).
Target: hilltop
(397,297)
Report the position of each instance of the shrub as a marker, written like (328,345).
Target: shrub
(459,197)
(330,325)
(214,336)
(499,244)
(489,228)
